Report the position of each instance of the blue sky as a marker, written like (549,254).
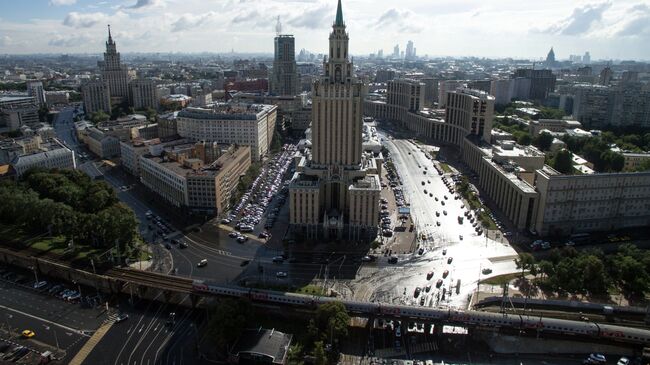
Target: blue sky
(609,29)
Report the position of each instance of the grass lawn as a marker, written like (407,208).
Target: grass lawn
(57,245)
(445,167)
(500,279)
(311,290)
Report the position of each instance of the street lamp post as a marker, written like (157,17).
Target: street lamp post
(56,339)
(35,273)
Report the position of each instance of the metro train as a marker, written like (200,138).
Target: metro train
(477,318)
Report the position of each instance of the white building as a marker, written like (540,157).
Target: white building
(243,124)
(53,155)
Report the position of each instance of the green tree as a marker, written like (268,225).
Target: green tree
(228,319)
(294,357)
(320,357)
(563,162)
(332,320)
(524,139)
(611,161)
(543,141)
(99,117)
(525,262)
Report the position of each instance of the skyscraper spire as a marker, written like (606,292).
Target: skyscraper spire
(339,16)
(110,39)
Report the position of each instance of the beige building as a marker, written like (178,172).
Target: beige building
(583,203)
(634,160)
(552,125)
(96,97)
(335,191)
(100,143)
(243,124)
(51,154)
(172,171)
(142,94)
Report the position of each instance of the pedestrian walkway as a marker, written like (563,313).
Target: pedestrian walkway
(424,347)
(88,347)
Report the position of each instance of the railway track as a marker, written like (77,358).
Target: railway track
(152,279)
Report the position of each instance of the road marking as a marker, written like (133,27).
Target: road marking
(80,332)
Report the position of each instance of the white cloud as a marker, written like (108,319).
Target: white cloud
(5,41)
(188,21)
(402,20)
(581,20)
(62,2)
(84,20)
(68,41)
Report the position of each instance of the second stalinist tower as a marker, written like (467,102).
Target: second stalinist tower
(113,72)
(335,192)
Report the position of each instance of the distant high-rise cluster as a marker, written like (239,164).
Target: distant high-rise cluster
(410,51)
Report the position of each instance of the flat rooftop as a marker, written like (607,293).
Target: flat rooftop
(227,111)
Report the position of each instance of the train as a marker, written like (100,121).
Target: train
(593,330)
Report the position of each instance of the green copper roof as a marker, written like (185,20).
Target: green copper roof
(339,16)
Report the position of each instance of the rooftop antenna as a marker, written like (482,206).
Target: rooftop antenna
(278,27)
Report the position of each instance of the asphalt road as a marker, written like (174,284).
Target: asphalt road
(149,336)
(56,323)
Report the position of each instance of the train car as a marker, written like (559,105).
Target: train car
(479,318)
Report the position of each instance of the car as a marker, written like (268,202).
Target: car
(392,260)
(183,245)
(421,251)
(263,235)
(461,237)
(168,246)
(39,284)
(367,258)
(423,299)
(450,259)
(425,191)
(55,289)
(623,361)
(429,275)
(233,234)
(444,212)
(438,223)
(444,251)
(242,239)
(281,274)
(445,274)
(121,318)
(244,263)
(427,288)
(28,334)
(439,283)
(486,271)
(569,243)
(202,263)
(73,297)
(437,214)
(442,202)
(595,359)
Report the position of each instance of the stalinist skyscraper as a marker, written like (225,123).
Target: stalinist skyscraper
(113,73)
(335,192)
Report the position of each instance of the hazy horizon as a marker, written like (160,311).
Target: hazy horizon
(494,29)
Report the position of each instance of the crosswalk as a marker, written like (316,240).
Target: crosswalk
(91,343)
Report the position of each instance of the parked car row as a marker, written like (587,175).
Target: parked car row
(49,288)
(254,202)
(156,223)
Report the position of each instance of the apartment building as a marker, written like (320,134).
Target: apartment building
(17,111)
(142,94)
(242,124)
(96,96)
(552,125)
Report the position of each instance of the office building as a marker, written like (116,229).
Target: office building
(53,98)
(550,58)
(188,180)
(335,192)
(96,96)
(598,106)
(113,72)
(284,77)
(35,89)
(142,94)
(384,75)
(408,94)
(503,91)
(410,51)
(243,124)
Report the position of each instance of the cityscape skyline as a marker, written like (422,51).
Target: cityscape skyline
(522,29)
